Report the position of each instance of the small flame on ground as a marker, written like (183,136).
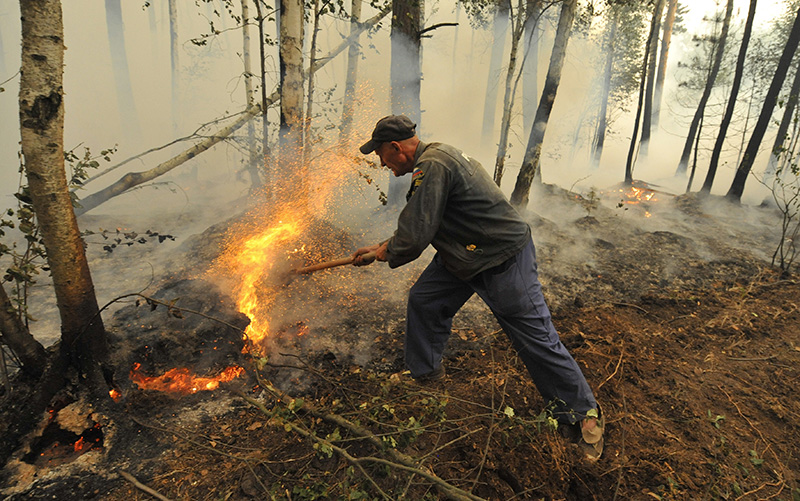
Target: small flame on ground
(181,380)
(114,394)
(634,195)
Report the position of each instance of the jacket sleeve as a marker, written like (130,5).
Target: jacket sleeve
(419,221)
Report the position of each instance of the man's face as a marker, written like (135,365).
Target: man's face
(393,157)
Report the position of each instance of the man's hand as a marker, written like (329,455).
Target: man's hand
(379,251)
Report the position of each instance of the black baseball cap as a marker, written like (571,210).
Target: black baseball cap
(391,128)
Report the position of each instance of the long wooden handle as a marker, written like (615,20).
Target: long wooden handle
(332,264)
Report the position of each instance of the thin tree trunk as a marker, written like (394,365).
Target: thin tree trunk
(312,56)
(291,87)
(651,77)
(174,62)
(786,120)
(29,351)
(602,114)
(530,63)
(252,161)
(517,29)
(666,39)
(632,148)
(265,151)
(530,169)
(501,21)
(353,54)
(726,118)
(41,112)
(694,162)
(740,178)
(405,76)
(119,65)
(712,77)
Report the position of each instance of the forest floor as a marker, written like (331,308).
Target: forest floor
(689,338)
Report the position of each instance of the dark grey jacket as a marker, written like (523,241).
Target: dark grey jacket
(455,206)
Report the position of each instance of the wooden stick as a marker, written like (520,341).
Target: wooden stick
(332,264)
(130,478)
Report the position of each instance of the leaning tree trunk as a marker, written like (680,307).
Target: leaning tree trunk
(517,30)
(349,101)
(291,88)
(119,65)
(739,179)
(651,77)
(786,120)
(405,74)
(530,169)
(726,118)
(632,147)
(41,113)
(602,114)
(712,77)
(666,39)
(530,63)
(29,351)
(501,20)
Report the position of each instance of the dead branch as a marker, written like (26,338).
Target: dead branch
(399,460)
(435,26)
(130,478)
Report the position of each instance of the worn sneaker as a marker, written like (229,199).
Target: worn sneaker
(434,375)
(587,434)
(592,428)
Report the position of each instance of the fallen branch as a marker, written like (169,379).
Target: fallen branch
(399,460)
(130,478)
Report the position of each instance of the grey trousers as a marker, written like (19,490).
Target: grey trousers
(513,293)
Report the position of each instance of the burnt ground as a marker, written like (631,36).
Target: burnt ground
(688,336)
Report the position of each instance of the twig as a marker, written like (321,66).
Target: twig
(629,305)
(619,362)
(435,26)
(754,359)
(130,478)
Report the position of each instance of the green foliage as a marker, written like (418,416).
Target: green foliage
(715,420)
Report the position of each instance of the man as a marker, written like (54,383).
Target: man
(483,246)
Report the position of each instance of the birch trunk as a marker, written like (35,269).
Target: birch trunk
(530,64)
(291,89)
(719,52)
(353,54)
(530,165)
(252,161)
(119,65)
(41,105)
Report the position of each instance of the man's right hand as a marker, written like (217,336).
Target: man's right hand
(377,251)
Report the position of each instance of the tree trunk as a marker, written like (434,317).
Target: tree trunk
(651,76)
(602,114)
(174,62)
(726,118)
(501,20)
(517,28)
(252,161)
(29,351)
(353,54)
(530,63)
(405,76)
(666,39)
(719,52)
(267,177)
(737,186)
(694,162)
(291,87)
(41,112)
(632,148)
(786,120)
(530,169)
(119,64)
(312,56)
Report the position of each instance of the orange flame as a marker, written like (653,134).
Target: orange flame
(252,261)
(182,381)
(114,394)
(636,195)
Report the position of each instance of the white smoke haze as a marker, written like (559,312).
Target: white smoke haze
(212,188)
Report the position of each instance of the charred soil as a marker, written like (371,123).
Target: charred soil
(688,337)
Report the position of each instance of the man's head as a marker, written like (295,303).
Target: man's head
(394,140)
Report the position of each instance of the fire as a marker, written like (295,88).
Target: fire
(251,262)
(634,195)
(114,394)
(181,380)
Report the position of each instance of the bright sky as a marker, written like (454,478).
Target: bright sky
(766,10)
